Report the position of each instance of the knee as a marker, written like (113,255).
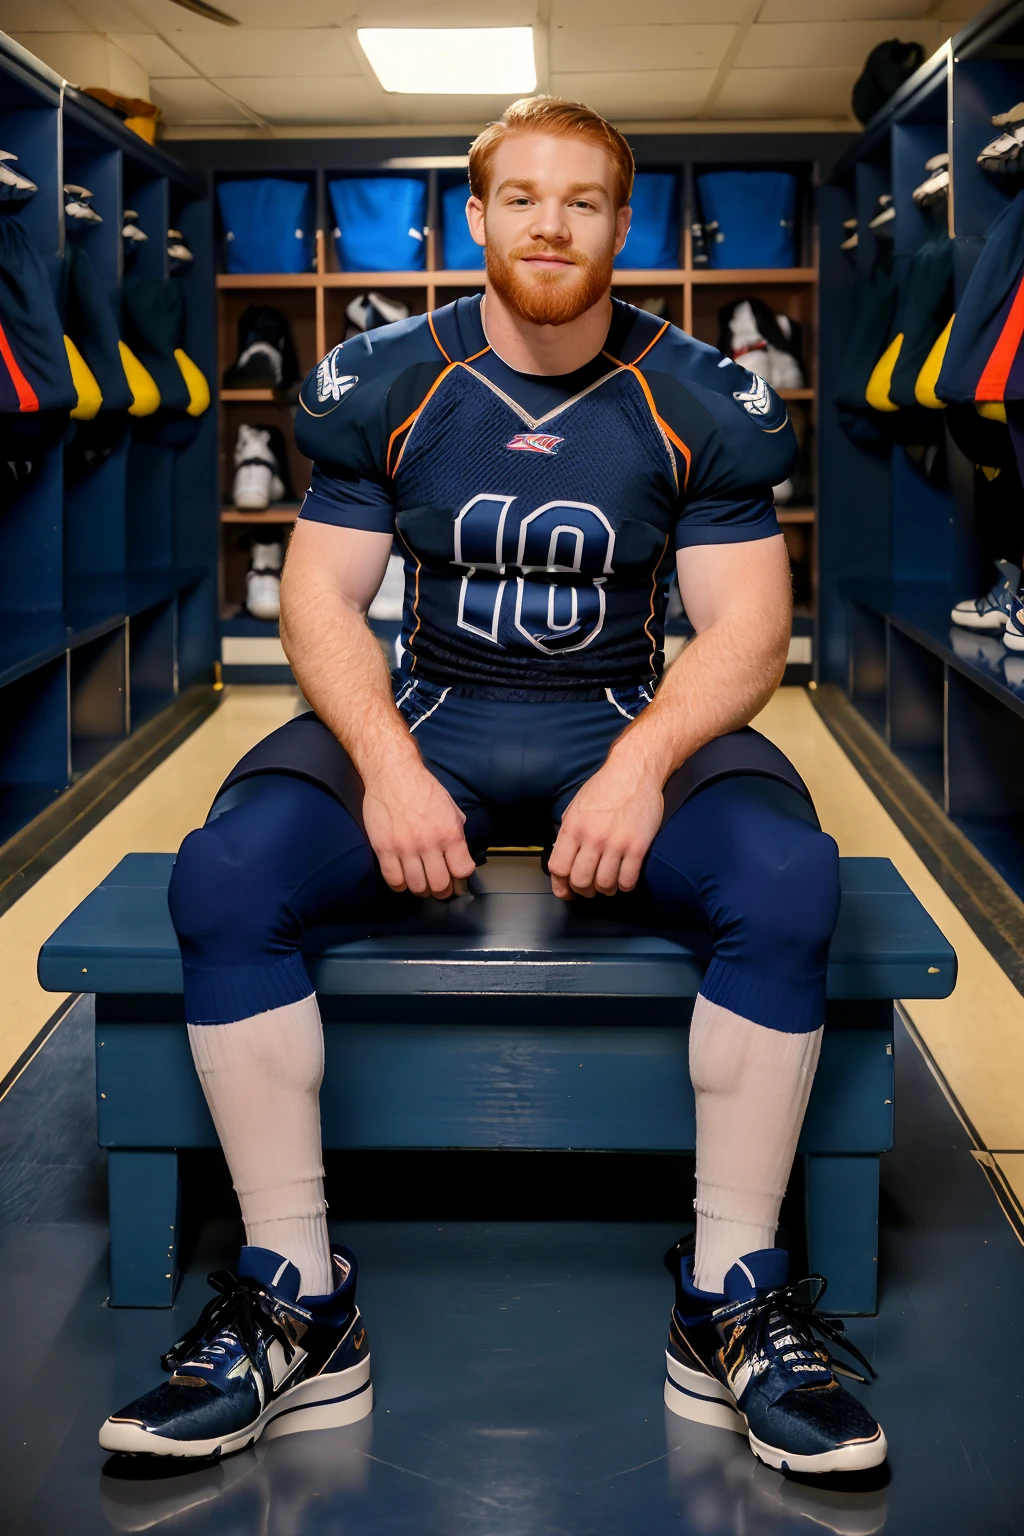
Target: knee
(782,902)
(224,906)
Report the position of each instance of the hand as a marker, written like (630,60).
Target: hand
(415,829)
(606,832)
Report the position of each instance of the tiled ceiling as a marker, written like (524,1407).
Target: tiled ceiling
(295,65)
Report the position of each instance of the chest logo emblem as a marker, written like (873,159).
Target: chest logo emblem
(330,383)
(535,442)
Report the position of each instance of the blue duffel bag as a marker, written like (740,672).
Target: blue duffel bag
(461,252)
(380,223)
(754,213)
(268,225)
(653,239)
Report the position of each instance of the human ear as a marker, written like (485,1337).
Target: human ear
(622,222)
(475,219)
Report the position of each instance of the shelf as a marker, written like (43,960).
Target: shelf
(268,280)
(737,275)
(795,515)
(237,396)
(797,394)
(282,514)
(631,277)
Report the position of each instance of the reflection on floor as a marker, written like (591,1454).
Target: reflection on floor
(518,1365)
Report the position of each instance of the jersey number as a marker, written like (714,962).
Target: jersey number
(505,549)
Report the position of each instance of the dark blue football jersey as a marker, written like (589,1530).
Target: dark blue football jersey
(539,517)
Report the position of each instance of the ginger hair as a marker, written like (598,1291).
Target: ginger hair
(551,114)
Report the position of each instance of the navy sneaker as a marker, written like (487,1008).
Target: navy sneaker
(756,1360)
(260,1361)
(1013,634)
(992,610)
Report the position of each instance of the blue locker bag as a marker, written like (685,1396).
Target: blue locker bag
(461,252)
(268,225)
(380,223)
(653,239)
(754,212)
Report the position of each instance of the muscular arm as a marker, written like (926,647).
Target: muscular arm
(330,578)
(738,598)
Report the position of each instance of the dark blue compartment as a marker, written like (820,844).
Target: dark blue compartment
(32,132)
(151,657)
(653,239)
(98,691)
(380,223)
(149,197)
(755,212)
(33,744)
(94,517)
(99,170)
(31,541)
(267,224)
(460,251)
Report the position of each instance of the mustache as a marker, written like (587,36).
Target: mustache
(577,258)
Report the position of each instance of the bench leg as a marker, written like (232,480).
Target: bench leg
(145,1207)
(842,1231)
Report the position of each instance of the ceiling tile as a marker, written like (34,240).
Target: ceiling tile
(80,57)
(957,11)
(441,13)
(643,95)
(164,17)
(104,15)
(606,13)
(155,56)
(40,16)
(821,44)
(787,93)
(251,53)
(195,101)
(324,100)
(614,49)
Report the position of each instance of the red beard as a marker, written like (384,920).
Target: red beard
(549,298)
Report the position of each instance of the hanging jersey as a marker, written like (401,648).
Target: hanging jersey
(540,517)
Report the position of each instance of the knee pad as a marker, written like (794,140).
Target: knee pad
(780,901)
(226,909)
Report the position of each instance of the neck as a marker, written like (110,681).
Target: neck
(545,349)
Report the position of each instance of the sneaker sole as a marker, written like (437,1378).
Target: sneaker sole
(973,620)
(702,1399)
(324,1402)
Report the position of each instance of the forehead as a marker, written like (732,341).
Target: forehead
(554,161)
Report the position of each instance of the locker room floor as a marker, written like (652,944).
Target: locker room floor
(517,1364)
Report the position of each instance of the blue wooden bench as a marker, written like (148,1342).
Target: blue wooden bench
(502,1019)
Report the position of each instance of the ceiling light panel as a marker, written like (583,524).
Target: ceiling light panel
(451,61)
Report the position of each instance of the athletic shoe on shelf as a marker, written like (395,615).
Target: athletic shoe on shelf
(77,206)
(266,353)
(259,1353)
(14,187)
(756,1360)
(993,610)
(179,257)
(762,342)
(1013,634)
(935,187)
(369,310)
(263,582)
(258,479)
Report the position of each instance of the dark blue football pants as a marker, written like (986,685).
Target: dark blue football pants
(742,861)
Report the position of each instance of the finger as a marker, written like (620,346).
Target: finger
(460,886)
(629,870)
(415,875)
(584,868)
(459,859)
(563,853)
(438,874)
(560,887)
(391,869)
(606,879)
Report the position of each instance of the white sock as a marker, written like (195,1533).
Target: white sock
(751,1085)
(261,1077)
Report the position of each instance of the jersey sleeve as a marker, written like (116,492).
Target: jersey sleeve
(734,438)
(349,407)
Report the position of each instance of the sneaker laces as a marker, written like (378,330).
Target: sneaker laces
(242,1310)
(784,1327)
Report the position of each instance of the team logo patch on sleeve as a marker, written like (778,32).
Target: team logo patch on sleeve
(762,403)
(535,442)
(326,388)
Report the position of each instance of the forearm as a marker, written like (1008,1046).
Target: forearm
(340,667)
(722,679)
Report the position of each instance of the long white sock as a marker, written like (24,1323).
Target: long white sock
(261,1077)
(751,1085)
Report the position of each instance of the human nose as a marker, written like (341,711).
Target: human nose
(550,223)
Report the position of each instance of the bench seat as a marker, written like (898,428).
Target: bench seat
(502,1019)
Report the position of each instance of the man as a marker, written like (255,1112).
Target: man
(545,458)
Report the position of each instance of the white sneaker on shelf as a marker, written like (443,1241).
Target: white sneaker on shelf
(263,581)
(257,473)
(993,610)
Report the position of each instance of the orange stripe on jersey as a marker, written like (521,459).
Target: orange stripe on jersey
(411,418)
(663,426)
(444,354)
(996,372)
(479,354)
(649,345)
(654,594)
(28,400)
